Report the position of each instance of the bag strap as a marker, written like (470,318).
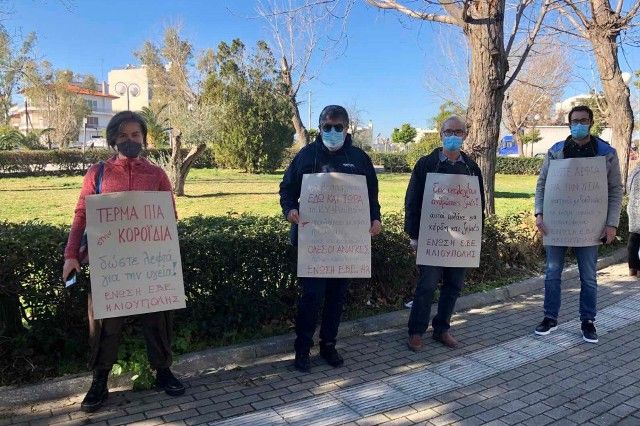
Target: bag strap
(99,177)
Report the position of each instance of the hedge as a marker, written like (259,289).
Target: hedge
(519,165)
(395,162)
(239,273)
(404,162)
(32,163)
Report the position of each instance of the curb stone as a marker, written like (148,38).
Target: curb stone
(232,356)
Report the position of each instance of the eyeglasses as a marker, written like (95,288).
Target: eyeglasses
(581,121)
(338,127)
(458,132)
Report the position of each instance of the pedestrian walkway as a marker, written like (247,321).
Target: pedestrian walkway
(501,374)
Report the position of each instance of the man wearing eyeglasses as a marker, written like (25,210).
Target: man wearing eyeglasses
(578,145)
(332,151)
(451,160)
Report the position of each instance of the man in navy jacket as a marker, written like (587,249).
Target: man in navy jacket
(332,151)
(447,159)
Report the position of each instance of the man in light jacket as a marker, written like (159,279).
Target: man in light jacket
(579,144)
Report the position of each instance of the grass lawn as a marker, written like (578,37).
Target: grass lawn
(212,192)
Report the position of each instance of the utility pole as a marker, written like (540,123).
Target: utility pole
(309,111)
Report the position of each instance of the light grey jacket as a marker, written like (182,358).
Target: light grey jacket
(633,208)
(614,179)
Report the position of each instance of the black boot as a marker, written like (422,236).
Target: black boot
(98,392)
(168,382)
(331,355)
(302,362)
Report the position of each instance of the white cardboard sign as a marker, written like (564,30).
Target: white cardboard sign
(333,231)
(450,221)
(135,260)
(575,202)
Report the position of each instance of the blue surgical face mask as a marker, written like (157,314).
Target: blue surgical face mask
(579,131)
(333,139)
(452,143)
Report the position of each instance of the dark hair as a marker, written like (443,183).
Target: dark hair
(333,112)
(581,108)
(119,120)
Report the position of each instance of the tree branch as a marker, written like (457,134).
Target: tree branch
(522,5)
(631,14)
(579,28)
(578,12)
(444,19)
(530,41)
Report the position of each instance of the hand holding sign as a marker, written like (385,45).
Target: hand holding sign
(293,216)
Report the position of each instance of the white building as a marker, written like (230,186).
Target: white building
(421,132)
(131,87)
(562,108)
(29,117)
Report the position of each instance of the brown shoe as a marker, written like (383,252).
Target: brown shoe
(633,272)
(415,342)
(446,339)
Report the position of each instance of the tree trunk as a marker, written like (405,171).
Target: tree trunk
(302,136)
(486,93)
(179,167)
(188,161)
(616,92)
(517,139)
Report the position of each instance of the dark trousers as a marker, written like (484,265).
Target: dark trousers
(105,337)
(633,246)
(315,291)
(430,276)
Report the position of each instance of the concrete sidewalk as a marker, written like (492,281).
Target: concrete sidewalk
(501,374)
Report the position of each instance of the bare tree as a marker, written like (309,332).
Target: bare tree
(171,75)
(602,26)
(14,62)
(305,33)
(483,25)
(55,93)
(540,83)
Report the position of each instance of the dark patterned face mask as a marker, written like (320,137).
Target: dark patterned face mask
(129,148)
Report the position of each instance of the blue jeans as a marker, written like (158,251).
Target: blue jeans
(452,283)
(333,291)
(587,258)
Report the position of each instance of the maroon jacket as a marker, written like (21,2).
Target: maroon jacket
(136,174)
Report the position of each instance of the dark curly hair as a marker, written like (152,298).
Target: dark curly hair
(119,120)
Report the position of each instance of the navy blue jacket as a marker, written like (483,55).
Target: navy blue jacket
(415,192)
(316,158)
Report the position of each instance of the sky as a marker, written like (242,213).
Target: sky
(388,68)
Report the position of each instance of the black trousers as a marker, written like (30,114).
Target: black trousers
(105,337)
(315,291)
(633,246)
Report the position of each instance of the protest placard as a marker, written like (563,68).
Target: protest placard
(134,260)
(575,202)
(333,231)
(450,221)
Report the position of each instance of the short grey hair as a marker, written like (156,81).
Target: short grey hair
(454,118)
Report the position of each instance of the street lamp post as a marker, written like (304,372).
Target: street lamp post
(130,89)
